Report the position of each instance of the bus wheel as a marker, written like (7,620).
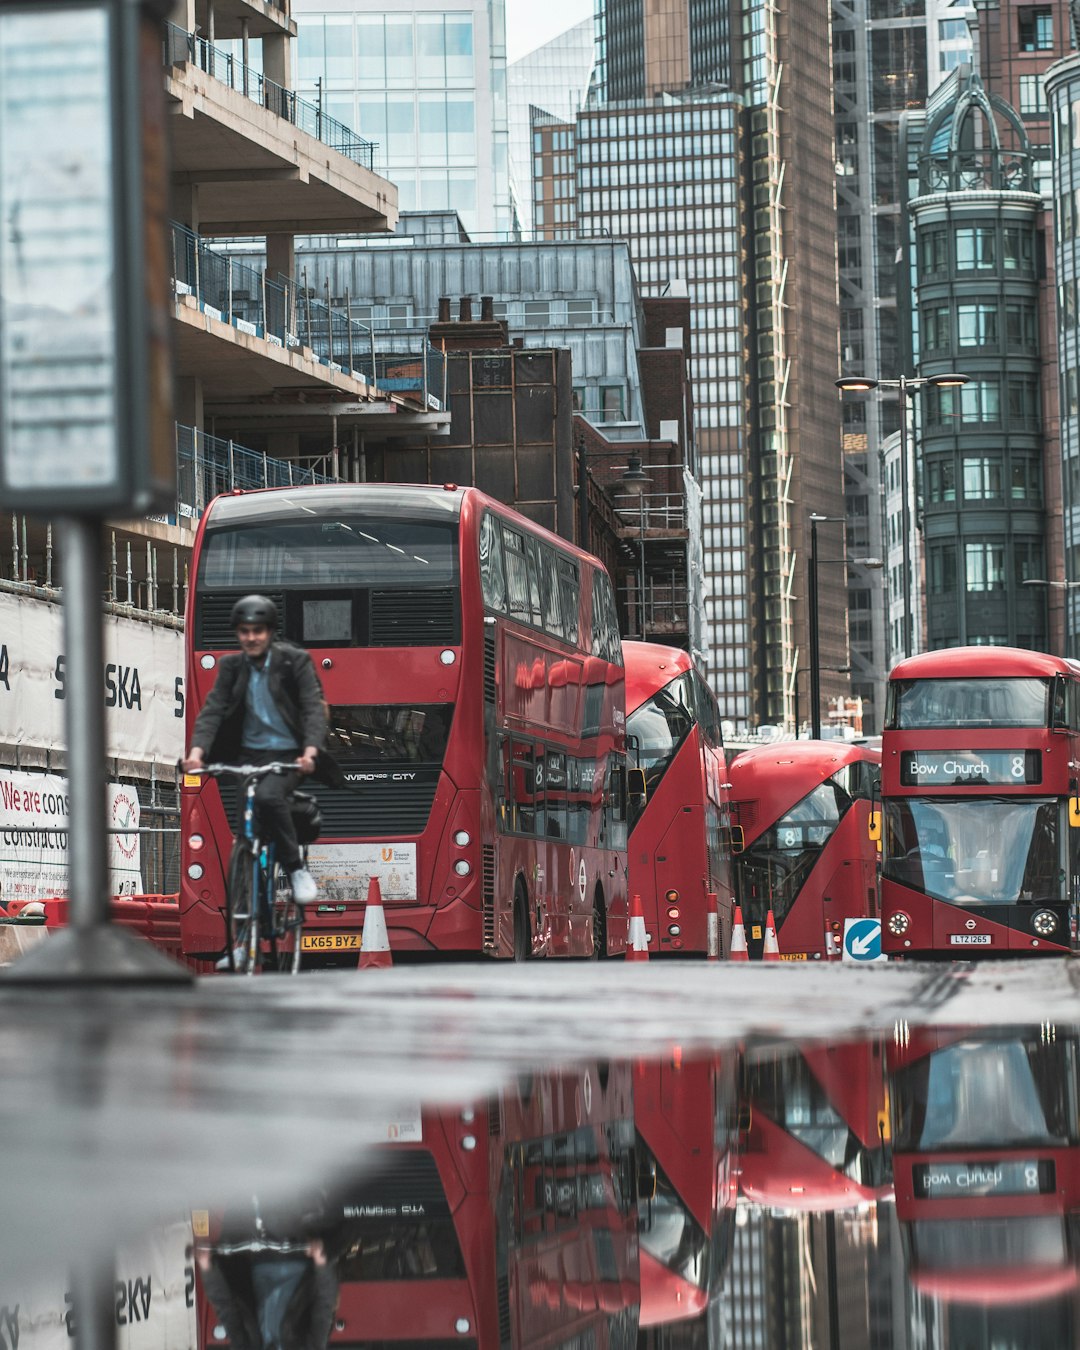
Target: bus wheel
(522,944)
(599,927)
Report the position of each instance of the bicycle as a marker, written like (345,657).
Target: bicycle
(259,904)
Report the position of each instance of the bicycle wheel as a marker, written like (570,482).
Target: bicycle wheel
(288,922)
(240,916)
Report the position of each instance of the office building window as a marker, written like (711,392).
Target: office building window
(1036,29)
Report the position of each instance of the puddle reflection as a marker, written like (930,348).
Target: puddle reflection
(918,1190)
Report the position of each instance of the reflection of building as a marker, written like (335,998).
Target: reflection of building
(426,82)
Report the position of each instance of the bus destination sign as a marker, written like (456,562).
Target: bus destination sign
(948,1180)
(975,768)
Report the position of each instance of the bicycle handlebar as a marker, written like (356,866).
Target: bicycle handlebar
(281,1245)
(246,770)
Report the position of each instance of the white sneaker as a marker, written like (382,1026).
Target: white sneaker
(239,960)
(304,889)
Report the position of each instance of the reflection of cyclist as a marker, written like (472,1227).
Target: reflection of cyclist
(266,704)
(290,1305)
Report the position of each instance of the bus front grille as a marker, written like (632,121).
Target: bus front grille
(213,625)
(413,618)
(487,894)
(373,811)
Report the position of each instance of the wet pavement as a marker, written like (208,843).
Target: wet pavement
(124,1111)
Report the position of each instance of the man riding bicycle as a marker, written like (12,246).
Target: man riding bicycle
(266,705)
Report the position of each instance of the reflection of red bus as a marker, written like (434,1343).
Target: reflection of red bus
(679,848)
(978,762)
(473,670)
(512,1224)
(818,1127)
(804,808)
(687,1117)
(986,1161)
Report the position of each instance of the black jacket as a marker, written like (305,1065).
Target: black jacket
(294,686)
(308,1320)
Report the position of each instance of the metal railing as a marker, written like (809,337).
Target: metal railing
(184,48)
(651,510)
(208,465)
(292,315)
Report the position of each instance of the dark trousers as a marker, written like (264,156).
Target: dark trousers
(273,812)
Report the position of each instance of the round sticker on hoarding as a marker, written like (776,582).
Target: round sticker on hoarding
(581,878)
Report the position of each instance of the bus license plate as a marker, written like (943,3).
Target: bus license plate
(329,942)
(970,939)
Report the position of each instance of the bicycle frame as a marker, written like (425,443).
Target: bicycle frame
(262,876)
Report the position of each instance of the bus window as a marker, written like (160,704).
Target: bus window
(1002,702)
(570,596)
(532,559)
(492,572)
(517,577)
(549,578)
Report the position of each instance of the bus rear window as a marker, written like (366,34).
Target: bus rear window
(1013,702)
(345,551)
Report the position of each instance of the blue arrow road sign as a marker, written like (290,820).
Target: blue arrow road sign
(862,940)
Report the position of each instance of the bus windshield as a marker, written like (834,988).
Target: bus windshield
(983,1095)
(778,863)
(671,1234)
(989,1242)
(329,551)
(1005,852)
(1017,702)
(660,726)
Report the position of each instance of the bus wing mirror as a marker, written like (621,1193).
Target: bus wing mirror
(873,826)
(636,789)
(738,839)
(1074,812)
(1059,720)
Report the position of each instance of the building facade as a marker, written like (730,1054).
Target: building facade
(426,82)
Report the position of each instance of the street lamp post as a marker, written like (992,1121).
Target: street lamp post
(909,386)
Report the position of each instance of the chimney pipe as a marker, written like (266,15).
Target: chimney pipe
(465,309)
(487,309)
(444,309)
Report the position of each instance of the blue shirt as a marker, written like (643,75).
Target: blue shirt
(264,726)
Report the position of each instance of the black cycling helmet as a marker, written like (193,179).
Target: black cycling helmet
(256,610)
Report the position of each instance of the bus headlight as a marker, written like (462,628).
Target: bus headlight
(1044,922)
(462,867)
(195,842)
(463,838)
(447,657)
(468,1142)
(462,1326)
(195,871)
(899,923)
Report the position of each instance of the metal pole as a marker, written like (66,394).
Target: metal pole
(641,583)
(93,1302)
(80,547)
(583,496)
(904,512)
(796,682)
(815,655)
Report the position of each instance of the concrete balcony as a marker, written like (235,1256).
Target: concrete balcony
(257,158)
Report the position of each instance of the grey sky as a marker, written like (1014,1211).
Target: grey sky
(531,23)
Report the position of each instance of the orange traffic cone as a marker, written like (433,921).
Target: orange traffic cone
(374,945)
(712,941)
(738,938)
(637,940)
(771,951)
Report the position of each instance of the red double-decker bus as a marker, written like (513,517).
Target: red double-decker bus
(680,836)
(473,670)
(804,809)
(981,845)
(507,1225)
(986,1166)
(687,1113)
(818,1134)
